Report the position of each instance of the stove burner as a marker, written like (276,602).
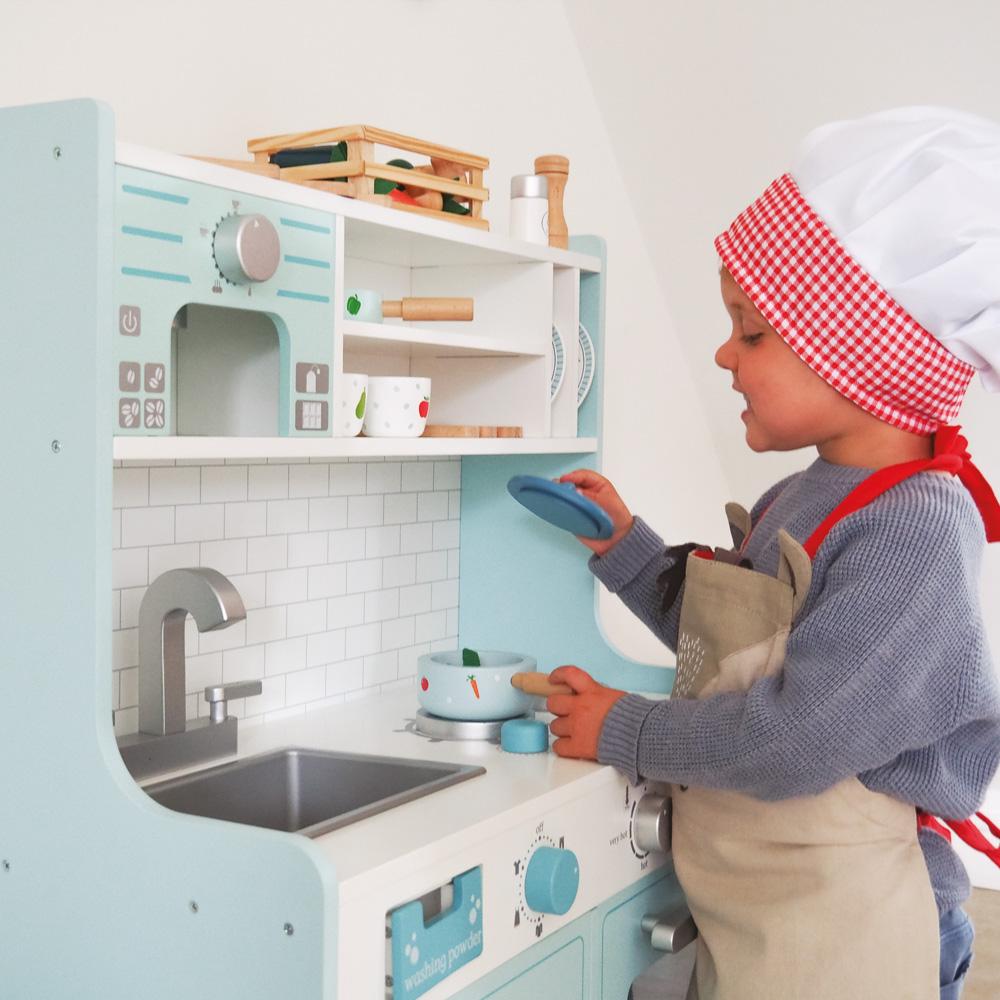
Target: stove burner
(456,729)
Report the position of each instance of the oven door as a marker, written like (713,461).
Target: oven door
(646,949)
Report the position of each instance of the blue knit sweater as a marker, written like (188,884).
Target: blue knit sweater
(887,673)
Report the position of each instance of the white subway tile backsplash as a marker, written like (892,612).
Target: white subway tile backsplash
(267,624)
(347,479)
(431,626)
(243,664)
(327,513)
(223,483)
(286,516)
(381,667)
(347,544)
(200,522)
(129,568)
(130,487)
(344,611)
(348,571)
(287,586)
(329,580)
(305,685)
(252,588)
(415,600)
(381,605)
(446,534)
(400,508)
(269,552)
(308,481)
(382,541)
(384,477)
(417,477)
(447,475)
(285,656)
(228,557)
(416,537)
(365,511)
(363,575)
(362,640)
(346,676)
(147,526)
(304,619)
(432,506)
(174,486)
(444,594)
(432,566)
(307,549)
(246,519)
(267,482)
(325,647)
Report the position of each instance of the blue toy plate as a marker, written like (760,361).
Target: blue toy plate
(561,504)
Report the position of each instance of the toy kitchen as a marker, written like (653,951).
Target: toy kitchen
(170,311)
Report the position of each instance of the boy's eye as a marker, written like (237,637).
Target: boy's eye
(751,338)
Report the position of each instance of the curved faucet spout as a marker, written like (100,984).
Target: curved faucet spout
(213,602)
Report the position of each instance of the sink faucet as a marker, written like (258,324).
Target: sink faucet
(165,740)
(213,602)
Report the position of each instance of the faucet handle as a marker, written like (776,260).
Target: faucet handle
(219,694)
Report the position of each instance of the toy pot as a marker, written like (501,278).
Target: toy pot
(449,690)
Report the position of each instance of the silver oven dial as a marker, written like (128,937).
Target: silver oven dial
(649,823)
(246,248)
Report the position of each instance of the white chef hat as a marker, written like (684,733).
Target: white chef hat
(877,258)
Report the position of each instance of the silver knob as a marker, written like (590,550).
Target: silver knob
(217,697)
(670,931)
(651,823)
(246,248)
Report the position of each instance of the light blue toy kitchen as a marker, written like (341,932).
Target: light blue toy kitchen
(162,308)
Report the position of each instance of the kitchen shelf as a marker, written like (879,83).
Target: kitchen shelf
(408,341)
(192,448)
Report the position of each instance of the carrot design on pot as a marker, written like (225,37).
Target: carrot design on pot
(475,684)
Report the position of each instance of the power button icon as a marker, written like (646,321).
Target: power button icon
(129,321)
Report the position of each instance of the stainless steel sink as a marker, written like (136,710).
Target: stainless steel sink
(306,791)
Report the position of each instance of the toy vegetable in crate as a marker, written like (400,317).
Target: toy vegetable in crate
(342,161)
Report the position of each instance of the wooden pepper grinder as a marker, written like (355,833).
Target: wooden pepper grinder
(556,169)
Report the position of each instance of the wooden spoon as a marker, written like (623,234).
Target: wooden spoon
(537,683)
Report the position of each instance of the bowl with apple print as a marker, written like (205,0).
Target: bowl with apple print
(397,406)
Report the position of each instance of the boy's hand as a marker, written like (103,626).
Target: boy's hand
(595,487)
(580,716)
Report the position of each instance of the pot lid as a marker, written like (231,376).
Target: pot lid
(561,504)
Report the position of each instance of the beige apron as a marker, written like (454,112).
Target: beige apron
(822,896)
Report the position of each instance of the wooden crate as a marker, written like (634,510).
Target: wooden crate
(356,176)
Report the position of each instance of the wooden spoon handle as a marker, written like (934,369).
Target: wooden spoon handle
(536,683)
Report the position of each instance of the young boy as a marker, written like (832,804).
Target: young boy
(834,688)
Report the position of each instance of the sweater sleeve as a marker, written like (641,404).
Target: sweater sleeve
(887,657)
(632,568)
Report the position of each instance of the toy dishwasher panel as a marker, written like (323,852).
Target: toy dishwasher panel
(224,306)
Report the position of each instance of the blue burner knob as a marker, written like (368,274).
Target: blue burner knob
(551,881)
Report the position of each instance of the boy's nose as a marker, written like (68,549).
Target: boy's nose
(725,356)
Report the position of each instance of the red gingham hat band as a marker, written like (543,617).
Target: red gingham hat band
(836,317)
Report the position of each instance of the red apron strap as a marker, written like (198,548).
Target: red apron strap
(967,831)
(950,455)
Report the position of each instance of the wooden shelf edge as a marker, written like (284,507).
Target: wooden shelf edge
(156,449)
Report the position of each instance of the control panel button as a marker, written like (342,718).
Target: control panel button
(651,823)
(552,880)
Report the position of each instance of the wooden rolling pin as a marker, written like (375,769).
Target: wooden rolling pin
(428,309)
(556,169)
(536,683)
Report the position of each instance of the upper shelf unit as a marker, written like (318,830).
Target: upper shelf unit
(214,362)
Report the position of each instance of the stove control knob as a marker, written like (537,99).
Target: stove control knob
(246,248)
(651,823)
(551,881)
